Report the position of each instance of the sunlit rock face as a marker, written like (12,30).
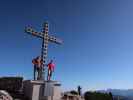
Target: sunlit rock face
(4,95)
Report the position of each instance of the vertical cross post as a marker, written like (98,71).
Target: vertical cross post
(45,40)
(44,50)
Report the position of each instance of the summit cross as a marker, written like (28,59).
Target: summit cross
(46,38)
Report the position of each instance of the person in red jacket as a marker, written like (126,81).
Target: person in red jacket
(37,66)
(51,67)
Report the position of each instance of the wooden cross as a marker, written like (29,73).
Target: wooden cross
(45,39)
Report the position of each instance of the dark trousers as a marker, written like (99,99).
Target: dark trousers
(36,73)
(49,75)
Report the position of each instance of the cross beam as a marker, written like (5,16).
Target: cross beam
(46,38)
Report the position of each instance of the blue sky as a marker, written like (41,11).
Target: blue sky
(97,52)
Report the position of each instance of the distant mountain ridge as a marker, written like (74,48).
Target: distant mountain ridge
(119,92)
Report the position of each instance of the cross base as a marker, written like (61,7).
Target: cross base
(42,90)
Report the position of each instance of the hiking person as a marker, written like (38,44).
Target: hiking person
(51,67)
(37,67)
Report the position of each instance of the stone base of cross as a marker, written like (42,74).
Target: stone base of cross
(46,38)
